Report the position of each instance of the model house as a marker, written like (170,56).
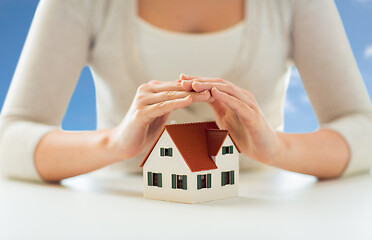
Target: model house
(190,163)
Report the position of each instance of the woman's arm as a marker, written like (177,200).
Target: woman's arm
(32,146)
(55,51)
(63,154)
(323,154)
(324,59)
(331,78)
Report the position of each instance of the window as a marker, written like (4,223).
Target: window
(227,178)
(204,181)
(179,181)
(166,152)
(154,179)
(227,150)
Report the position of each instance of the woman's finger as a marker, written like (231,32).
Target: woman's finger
(159,109)
(250,96)
(186,77)
(226,88)
(152,98)
(218,107)
(203,79)
(165,86)
(187,85)
(244,111)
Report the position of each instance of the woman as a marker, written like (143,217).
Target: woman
(240,53)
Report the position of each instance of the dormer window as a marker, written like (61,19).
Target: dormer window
(166,152)
(227,150)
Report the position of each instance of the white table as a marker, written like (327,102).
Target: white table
(272,204)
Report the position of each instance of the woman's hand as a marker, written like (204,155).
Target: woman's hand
(147,115)
(237,111)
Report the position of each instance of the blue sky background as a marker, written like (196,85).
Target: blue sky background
(16,17)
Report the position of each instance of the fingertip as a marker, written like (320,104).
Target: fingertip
(216,93)
(188,97)
(182,82)
(208,93)
(196,86)
(185,76)
(185,85)
(214,89)
(205,96)
(181,102)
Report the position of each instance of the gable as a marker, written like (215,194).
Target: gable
(158,162)
(228,142)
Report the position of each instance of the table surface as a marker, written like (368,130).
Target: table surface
(272,204)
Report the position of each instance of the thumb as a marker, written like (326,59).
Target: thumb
(218,108)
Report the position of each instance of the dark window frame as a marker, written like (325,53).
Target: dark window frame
(228,178)
(166,152)
(204,181)
(154,179)
(179,181)
(227,149)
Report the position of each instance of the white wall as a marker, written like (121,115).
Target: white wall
(167,166)
(224,163)
(176,165)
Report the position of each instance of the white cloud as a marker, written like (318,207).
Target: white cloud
(368,52)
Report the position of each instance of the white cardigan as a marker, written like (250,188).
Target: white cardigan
(66,35)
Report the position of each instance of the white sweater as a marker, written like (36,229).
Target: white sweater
(66,35)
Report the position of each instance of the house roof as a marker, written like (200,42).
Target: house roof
(196,142)
(215,138)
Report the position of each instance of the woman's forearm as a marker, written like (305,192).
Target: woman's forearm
(62,154)
(324,153)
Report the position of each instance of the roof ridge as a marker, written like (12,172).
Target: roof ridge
(216,130)
(192,123)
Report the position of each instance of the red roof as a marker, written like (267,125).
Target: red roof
(196,142)
(215,138)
